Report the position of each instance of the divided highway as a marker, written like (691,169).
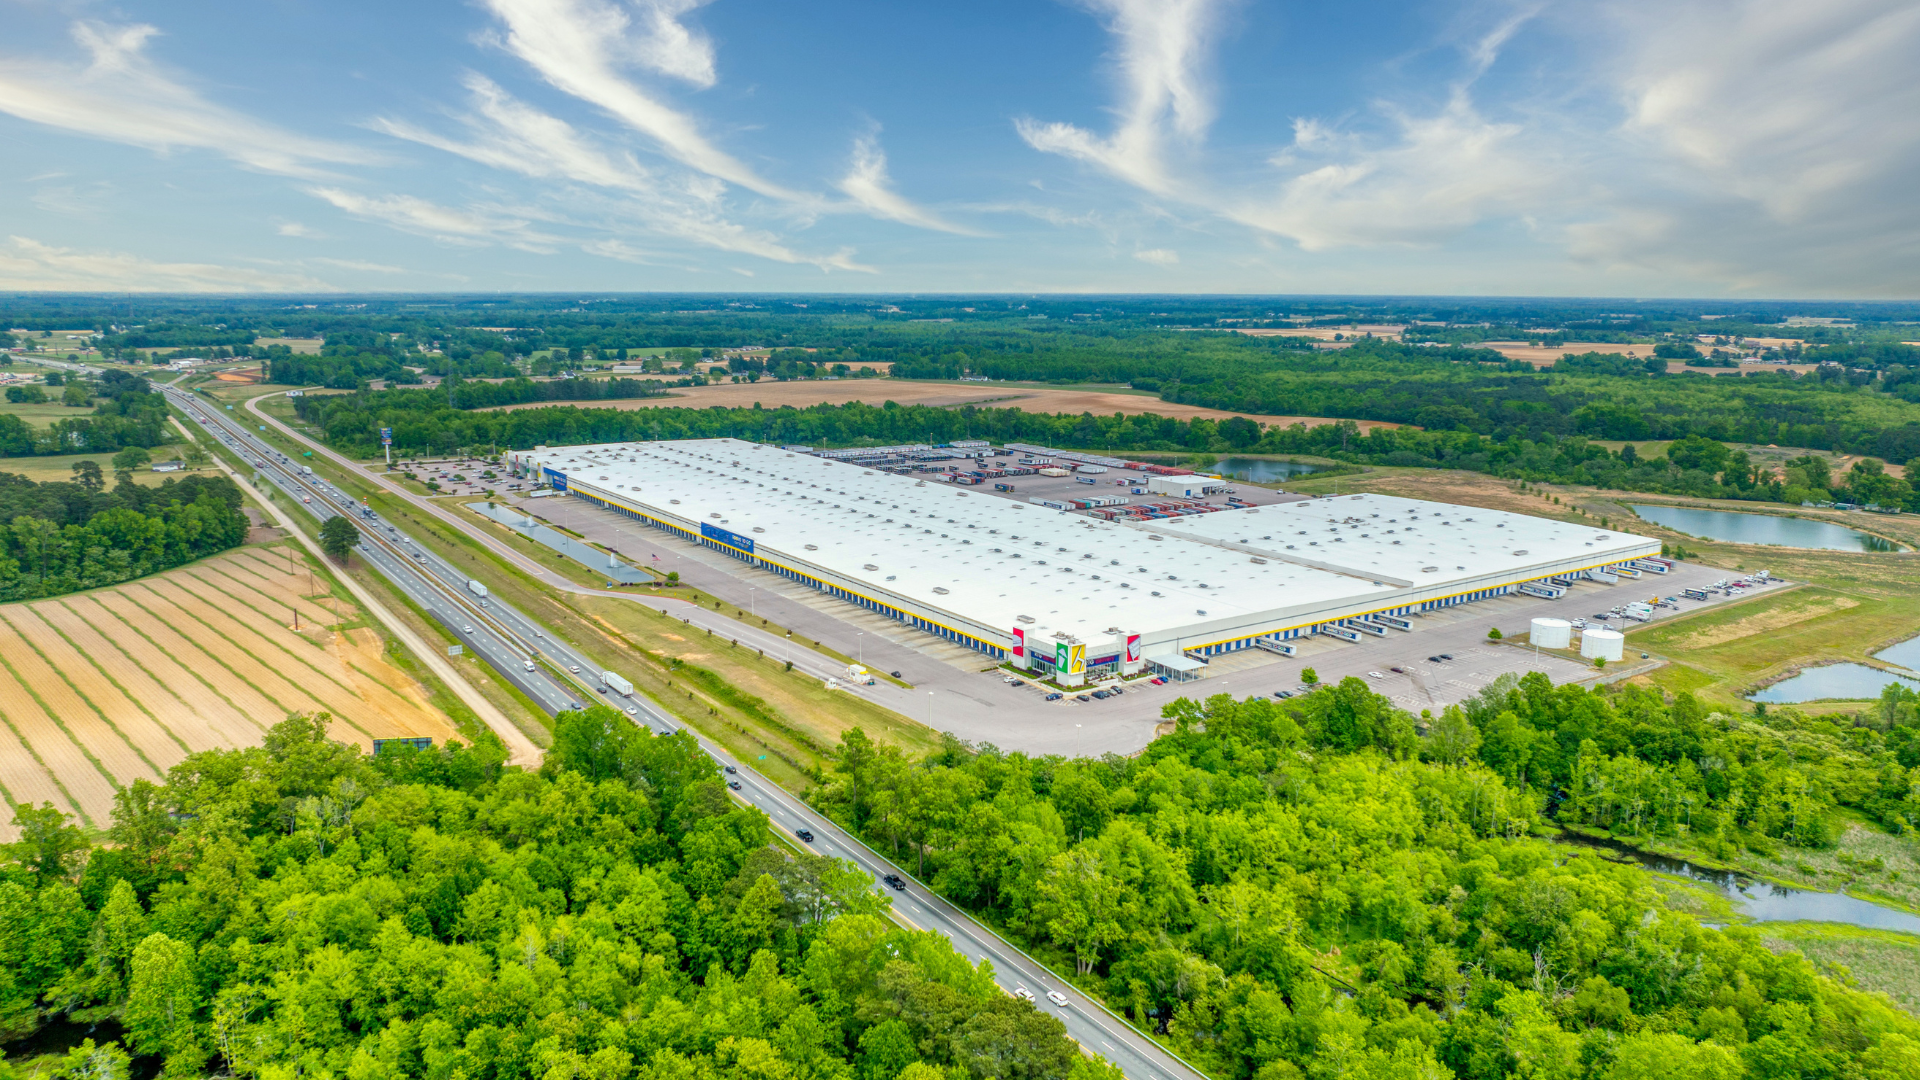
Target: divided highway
(506,637)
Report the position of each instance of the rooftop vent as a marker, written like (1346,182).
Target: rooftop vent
(1429,569)
(1522,551)
(940,590)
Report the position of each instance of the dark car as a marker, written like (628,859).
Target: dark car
(1056,696)
(1282,694)
(731,769)
(1433,660)
(895,674)
(734,784)
(1446,656)
(1081,697)
(1101,695)
(602,689)
(1115,690)
(1398,670)
(804,834)
(895,882)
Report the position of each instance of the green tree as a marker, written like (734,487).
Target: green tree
(162,997)
(338,536)
(87,475)
(131,458)
(50,848)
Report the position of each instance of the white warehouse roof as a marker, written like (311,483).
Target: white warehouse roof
(948,553)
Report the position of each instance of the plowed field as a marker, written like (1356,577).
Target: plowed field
(102,688)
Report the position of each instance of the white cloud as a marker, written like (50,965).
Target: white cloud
(472,226)
(1162,50)
(867,184)
(359,264)
(122,96)
(669,46)
(580,46)
(298,231)
(30,265)
(510,135)
(1158,256)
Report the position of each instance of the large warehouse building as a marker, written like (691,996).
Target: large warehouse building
(1065,594)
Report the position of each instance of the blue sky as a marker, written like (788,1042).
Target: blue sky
(1636,147)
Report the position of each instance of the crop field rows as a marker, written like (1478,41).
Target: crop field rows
(100,689)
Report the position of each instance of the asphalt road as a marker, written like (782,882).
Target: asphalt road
(1086,1022)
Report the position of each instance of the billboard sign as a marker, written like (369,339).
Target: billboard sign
(386,436)
(555,477)
(1019,642)
(1133,648)
(731,539)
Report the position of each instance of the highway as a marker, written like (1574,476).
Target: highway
(1090,1024)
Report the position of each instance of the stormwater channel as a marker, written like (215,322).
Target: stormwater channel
(1765,902)
(1761,529)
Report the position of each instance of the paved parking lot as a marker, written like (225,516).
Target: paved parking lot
(958,690)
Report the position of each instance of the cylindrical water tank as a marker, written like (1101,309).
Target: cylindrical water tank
(1606,645)
(1551,633)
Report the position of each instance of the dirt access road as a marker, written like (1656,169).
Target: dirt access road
(1036,399)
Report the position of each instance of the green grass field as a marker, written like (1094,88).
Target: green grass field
(42,469)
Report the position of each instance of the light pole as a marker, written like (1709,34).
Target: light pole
(929,708)
(753,601)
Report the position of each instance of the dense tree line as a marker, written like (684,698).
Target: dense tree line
(301,909)
(1317,888)
(64,536)
(126,413)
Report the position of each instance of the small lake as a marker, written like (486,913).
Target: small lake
(1261,470)
(1764,902)
(1839,682)
(1906,654)
(1761,529)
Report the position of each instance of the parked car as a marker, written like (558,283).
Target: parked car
(1115,690)
(1375,675)
(1433,660)
(1101,695)
(1398,670)
(1446,656)
(1055,696)
(1282,694)
(804,834)
(1081,697)
(1159,680)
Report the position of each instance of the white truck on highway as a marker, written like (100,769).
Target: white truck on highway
(617,684)
(477,589)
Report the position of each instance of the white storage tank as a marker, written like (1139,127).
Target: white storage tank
(1608,645)
(1551,633)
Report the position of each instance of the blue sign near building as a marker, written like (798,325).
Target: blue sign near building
(733,539)
(556,478)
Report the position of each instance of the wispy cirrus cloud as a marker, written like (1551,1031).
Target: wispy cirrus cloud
(868,185)
(1162,49)
(122,95)
(30,265)
(505,133)
(471,226)
(581,47)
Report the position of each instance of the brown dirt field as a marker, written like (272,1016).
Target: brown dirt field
(256,594)
(369,707)
(1389,332)
(159,746)
(210,711)
(1545,355)
(267,572)
(201,722)
(91,789)
(111,747)
(257,704)
(881,391)
(283,671)
(26,782)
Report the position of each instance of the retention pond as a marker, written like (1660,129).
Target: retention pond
(1832,682)
(1761,529)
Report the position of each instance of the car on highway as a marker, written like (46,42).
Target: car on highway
(1375,675)
(467,629)
(1023,993)
(1056,696)
(575,668)
(734,784)
(730,769)
(1057,998)
(602,689)
(631,710)
(895,882)
(804,834)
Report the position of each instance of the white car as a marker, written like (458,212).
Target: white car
(1375,675)
(575,668)
(467,629)
(1057,998)
(1023,993)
